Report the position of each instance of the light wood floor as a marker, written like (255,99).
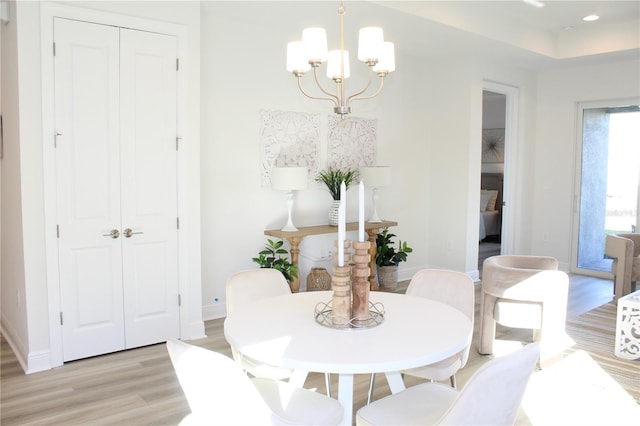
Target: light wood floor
(138,387)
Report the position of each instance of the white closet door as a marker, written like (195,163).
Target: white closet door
(88,185)
(149,188)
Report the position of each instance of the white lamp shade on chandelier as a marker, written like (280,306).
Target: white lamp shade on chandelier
(312,51)
(375,177)
(289,179)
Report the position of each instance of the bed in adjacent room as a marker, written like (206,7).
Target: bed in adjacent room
(490,205)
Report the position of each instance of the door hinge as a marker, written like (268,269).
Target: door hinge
(55,139)
(54,48)
(179,300)
(57,231)
(178,139)
(177,64)
(177,223)
(61,319)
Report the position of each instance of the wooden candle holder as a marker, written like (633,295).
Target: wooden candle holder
(360,286)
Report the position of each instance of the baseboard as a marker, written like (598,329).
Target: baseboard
(31,362)
(211,312)
(196,331)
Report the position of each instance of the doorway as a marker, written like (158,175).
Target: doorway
(492,175)
(608,183)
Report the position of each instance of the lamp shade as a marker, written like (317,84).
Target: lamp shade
(315,44)
(296,58)
(376,176)
(369,43)
(387,60)
(289,178)
(334,70)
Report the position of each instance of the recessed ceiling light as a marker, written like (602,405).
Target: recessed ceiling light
(534,3)
(590,18)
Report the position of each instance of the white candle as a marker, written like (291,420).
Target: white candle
(342,223)
(361,212)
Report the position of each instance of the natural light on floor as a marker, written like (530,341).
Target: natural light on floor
(574,391)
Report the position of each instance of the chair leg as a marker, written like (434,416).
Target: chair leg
(327,383)
(487,324)
(371,383)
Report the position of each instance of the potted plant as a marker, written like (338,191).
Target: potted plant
(271,257)
(388,258)
(333,177)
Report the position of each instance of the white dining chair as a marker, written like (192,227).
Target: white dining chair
(455,289)
(249,286)
(219,392)
(491,396)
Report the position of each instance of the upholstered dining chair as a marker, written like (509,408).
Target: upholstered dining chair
(491,396)
(455,289)
(219,392)
(249,286)
(625,249)
(525,292)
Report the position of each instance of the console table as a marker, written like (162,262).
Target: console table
(294,238)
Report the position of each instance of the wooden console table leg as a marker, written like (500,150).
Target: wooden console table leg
(372,263)
(295,242)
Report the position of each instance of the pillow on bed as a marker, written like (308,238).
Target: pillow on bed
(488,198)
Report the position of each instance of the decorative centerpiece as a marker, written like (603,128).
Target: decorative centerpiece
(350,306)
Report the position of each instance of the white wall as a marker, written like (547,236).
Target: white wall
(12,289)
(553,195)
(429,121)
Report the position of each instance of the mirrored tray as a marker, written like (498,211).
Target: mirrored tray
(322,313)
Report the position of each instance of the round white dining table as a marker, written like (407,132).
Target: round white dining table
(283,331)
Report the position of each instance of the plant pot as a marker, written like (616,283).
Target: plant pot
(334,212)
(388,276)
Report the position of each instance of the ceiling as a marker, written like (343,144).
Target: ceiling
(534,36)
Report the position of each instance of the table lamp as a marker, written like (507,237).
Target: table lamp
(375,177)
(289,179)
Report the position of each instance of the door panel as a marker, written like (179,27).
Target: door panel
(116,171)
(88,185)
(149,187)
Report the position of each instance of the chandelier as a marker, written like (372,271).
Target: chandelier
(311,52)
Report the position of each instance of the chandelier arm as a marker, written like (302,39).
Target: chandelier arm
(353,98)
(333,98)
(355,95)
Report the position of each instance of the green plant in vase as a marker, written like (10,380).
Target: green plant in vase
(333,177)
(272,257)
(388,258)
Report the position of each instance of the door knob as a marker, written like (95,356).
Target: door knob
(129,232)
(113,234)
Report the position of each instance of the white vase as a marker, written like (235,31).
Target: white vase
(334,212)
